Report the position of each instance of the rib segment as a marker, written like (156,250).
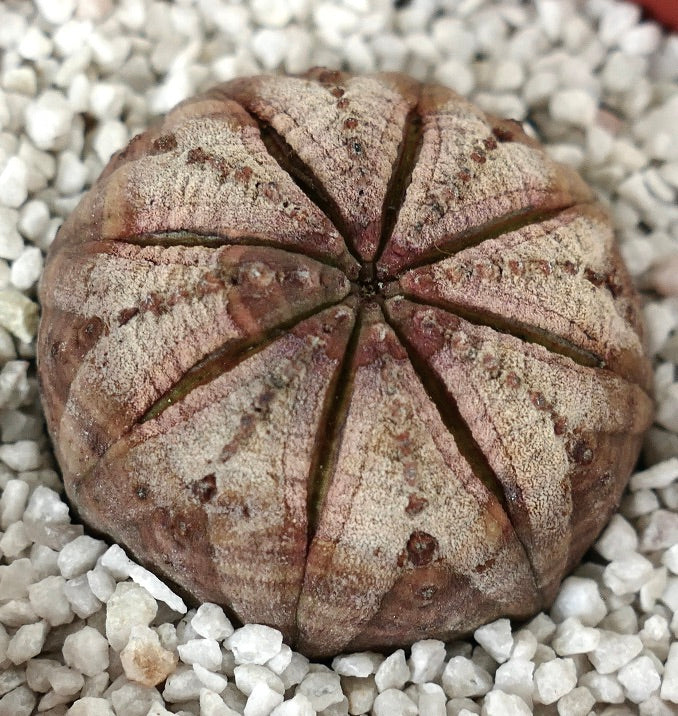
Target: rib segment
(472,171)
(563,456)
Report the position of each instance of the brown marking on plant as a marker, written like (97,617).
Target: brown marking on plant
(415,504)
(205,488)
(164,143)
(126,314)
(502,134)
(421,548)
(512,380)
(538,400)
(581,452)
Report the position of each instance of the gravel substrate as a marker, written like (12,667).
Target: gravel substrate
(86,632)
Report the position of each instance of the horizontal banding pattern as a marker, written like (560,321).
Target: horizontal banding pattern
(375,502)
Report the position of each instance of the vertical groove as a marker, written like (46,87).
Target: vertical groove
(494,229)
(302,175)
(463,437)
(328,440)
(329,432)
(522,331)
(222,360)
(408,154)
(453,420)
(170,239)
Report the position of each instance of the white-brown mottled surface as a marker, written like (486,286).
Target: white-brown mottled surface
(214,411)
(562,276)
(467,177)
(347,130)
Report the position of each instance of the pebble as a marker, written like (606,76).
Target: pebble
(392,702)
(298,705)
(497,703)
(604,687)
(393,672)
(32,221)
(71,173)
(56,12)
(639,679)
(112,135)
(641,39)
(578,702)
(182,684)
(524,645)
(669,687)
(660,532)
(117,562)
(322,689)
(579,597)
(48,599)
(13,187)
(205,652)
(13,502)
(515,676)
(431,699)
(26,268)
(573,106)
(455,74)
(11,244)
(210,622)
(65,681)
(262,700)
(18,314)
(426,660)
(90,706)
(279,663)
(27,642)
(361,692)
(254,644)
(361,664)
(144,660)
(130,605)
(14,541)
(572,637)
(614,651)
(211,680)
(542,626)
(101,583)
(49,120)
(86,651)
(248,675)
(464,678)
(34,45)
(21,455)
(496,638)
(79,556)
(627,574)
(80,597)
(19,702)
(553,679)
(618,539)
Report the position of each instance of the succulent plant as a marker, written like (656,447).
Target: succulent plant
(346,355)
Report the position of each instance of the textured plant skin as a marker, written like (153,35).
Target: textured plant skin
(345,355)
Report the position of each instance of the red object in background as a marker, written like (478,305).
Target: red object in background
(665,11)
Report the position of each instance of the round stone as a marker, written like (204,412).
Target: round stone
(345,355)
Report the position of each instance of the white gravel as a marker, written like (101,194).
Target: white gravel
(84,631)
